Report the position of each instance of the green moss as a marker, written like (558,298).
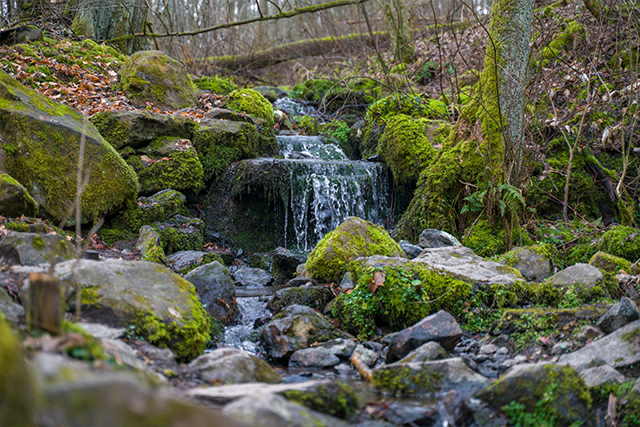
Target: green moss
(632,336)
(309,125)
(328,261)
(401,380)
(188,339)
(251,102)
(407,296)
(405,148)
(337,399)
(180,234)
(609,263)
(90,296)
(90,348)
(217,85)
(622,241)
(155,254)
(19,395)
(204,259)
(573,33)
(487,241)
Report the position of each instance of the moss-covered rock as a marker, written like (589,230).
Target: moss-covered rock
(36,248)
(405,148)
(335,398)
(534,262)
(221,142)
(622,241)
(217,85)
(251,102)
(553,394)
(487,240)
(19,395)
(152,76)
(316,297)
(232,366)
(180,233)
(162,306)
(170,163)
(157,208)
(136,129)
(405,294)
(609,263)
(41,142)
(354,238)
(15,200)
(149,245)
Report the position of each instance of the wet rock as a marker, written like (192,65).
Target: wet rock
(488,349)
(583,275)
(341,347)
(15,200)
(440,327)
(533,266)
(225,114)
(454,411)
(162,305)
(215,289)
(515,320)
(110,399)
(295,328)
(432,238)
(601,375)
(272,410)
(184,261)
(619,349)
(428,379)
(428,351)
(36,248)
(253,277)
(412,251)
(623,312)
(285,263)
(528,384)
(231,366)
(461,263)
(316,297)
(367,355)
(180,233)
(313,358)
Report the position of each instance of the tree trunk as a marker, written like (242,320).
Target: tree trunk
(397,23)
(104,20)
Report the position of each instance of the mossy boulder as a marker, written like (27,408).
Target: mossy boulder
(162,306)
(182,262)
(217,85)
(487,240)
(152,76)
(221,142)
(405,148)
(137,129)
(622,241)
(148,245)
(609,263)
(354,238)
(180,233)
(156,208)
(215,289)
(169,163)
(19,395)
(534,262)
(333,398)
(316,297)
(36,248)
(251,102)
(41,142)
(555,392)
(15,200)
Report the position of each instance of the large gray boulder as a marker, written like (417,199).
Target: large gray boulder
(41,143)
(584,276)
(232,366)
(215,289)
(428,379)
(620,349)
(15,200)
(533,266)
(162,306)
(252,277)
(461,263)
(565,392)
(36,248)
(601,375)
(272,410)
(439,327)
(295,328)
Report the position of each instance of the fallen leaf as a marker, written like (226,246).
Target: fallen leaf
(175,313)
(378,280)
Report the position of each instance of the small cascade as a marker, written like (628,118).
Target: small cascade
(243,335)
(326,187)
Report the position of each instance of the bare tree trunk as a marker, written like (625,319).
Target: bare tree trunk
(397,22)
(104,20)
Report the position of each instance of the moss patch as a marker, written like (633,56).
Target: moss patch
(251,102)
